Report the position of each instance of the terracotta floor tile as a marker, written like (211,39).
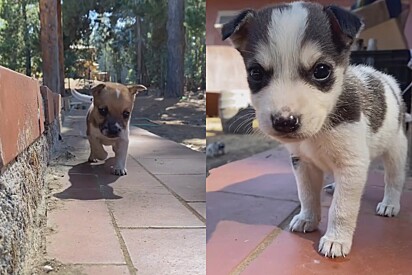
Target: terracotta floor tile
(104,269)
(79,187)
(200,208)
(375,236)
(189,187)
(236,224)
(192,166)
(80,143)
(263,166)
(245,209)
(155,207)
(267,176)
(155,147)
(167,251)
(83,233)
(231,243)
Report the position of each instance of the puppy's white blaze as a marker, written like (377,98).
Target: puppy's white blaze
(117,93)
(285,33)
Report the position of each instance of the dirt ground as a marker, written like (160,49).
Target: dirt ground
(181,120)
(236,146)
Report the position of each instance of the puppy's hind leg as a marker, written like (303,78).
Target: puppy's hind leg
(97,151)
(309,181)
(395,172)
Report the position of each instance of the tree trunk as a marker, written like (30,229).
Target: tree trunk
(51,45)
(175,49)
(139,67)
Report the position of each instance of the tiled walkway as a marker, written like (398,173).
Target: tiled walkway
(151,221)
(249,206)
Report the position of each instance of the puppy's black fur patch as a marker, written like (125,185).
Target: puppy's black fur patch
(256,86)
(348,106)
(344,24)
(236,24)
(374,103)
(319,21)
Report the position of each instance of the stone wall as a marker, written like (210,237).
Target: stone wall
(29,134)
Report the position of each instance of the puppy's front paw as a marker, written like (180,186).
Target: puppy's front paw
(334,247)
(388,210)
(119,171)
(300,223)
(92,160)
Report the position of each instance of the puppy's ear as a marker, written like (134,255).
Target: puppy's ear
(344,24)
(237,29)
(97,89)
(134,89)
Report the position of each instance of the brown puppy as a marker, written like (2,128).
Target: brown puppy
(108,121)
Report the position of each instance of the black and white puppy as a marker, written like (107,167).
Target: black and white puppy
(332,117)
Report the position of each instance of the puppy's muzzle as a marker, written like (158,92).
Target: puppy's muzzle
(285,125)
(111,130)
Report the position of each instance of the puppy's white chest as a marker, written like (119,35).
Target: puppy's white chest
(313,152)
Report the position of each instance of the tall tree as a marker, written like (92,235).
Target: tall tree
(51,45)
(175,49)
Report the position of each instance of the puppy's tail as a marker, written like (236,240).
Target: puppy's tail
(82,97)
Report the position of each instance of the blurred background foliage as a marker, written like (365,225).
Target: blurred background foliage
(124,39)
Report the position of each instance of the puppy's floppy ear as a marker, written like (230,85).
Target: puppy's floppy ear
(237,28)
(97,89)
(344,24)
(133,89)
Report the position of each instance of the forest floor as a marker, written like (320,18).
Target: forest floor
(237,146)
(179,119)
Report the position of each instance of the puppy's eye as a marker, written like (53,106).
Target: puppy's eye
(103,111)
(321,72)
(126,114)
(256,74)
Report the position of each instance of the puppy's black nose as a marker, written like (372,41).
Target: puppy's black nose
(285,125)
(113,129)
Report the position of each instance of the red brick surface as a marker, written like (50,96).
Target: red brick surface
(48,100)
(57,104)
(21,120)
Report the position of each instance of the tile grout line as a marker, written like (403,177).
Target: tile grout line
(258,250)
(126,255)
(96,264)
(257,196)
(161,227)
(180,199)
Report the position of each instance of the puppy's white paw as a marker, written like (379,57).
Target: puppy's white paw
(119,171)
(332,247)
(388,210)
(92,160)
(300,223)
